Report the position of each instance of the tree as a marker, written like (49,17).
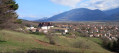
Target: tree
(8,15)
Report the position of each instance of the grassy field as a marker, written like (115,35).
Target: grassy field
(15,42)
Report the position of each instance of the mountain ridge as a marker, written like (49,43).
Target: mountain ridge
(84,14)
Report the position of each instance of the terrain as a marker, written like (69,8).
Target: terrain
(83,14)
(16,42)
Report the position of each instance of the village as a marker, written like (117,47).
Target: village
(84,29)
(45,27)
(59,26)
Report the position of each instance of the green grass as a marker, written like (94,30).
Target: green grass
(92,42)
(15,42)
(96,40)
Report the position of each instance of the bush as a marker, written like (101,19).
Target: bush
(81,44)
(19,21)
(111,44)
(52,42)
(51,39)
(37,33)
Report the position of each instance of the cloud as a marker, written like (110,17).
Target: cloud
(70,3)
(100,4)
(91,4)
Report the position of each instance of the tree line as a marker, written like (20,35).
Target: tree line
(112,45)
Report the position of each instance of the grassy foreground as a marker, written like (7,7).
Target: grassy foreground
(15,42)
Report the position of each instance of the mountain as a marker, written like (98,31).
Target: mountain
(112,11)
(27,18)
(116,15)
(44,18)
(83,14)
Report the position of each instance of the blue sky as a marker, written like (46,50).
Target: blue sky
(37,9)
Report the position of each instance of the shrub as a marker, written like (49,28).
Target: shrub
(81,44)
(51,38)
(19,21)
(37,33)
(111,44)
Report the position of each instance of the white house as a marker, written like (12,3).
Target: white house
(45,26)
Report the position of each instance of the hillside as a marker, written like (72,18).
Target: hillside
(113,13)
(83,14)
(14,42)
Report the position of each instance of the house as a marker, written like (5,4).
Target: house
(44,26)
(61,30)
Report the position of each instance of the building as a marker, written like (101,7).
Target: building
(44,26)
(61,30)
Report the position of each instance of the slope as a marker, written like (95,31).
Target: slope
(14,42)
(79,14)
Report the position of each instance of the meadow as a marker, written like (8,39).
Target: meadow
(16,42)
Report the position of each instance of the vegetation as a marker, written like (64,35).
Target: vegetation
(82,44)
(51,39)
(37,33)
(96,40)
(36,42)
(112,45)
(15,42)
(19,21)
(8,15)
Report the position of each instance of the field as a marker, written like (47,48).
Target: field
(16,42)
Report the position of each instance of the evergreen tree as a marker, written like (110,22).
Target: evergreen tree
(8,15)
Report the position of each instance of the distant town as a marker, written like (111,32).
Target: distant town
(108,30)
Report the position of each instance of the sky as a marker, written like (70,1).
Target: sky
(37,9)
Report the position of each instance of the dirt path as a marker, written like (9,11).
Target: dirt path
(46,43)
